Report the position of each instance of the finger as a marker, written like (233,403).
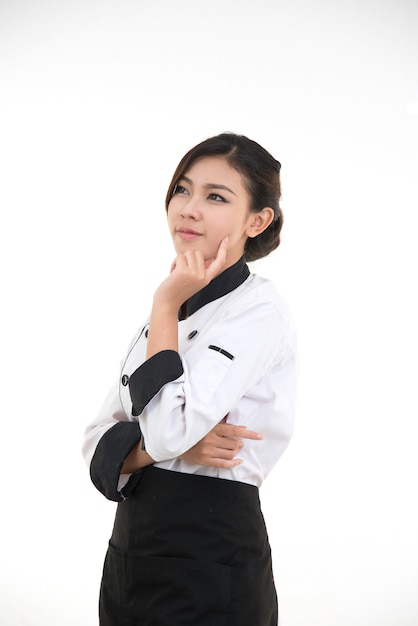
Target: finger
(190,260)
(179,263)
(225,463)
(250,434)
(200,263)
(219,261)
(228,447)
(231,430)
(195,263)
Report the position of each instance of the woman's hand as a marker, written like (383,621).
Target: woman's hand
(217,449)
(190,272)
(220,446)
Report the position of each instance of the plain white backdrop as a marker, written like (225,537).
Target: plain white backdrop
(98,102)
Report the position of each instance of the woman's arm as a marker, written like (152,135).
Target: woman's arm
(136,460)
(246,341)
(217,449)
(189,274)
(220,446)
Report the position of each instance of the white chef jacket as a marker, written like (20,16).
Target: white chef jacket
(236,361)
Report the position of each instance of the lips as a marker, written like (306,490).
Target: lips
(188,233)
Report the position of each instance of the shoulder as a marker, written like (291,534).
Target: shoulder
(256,309)
(258,292)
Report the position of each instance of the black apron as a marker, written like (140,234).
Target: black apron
(188,550)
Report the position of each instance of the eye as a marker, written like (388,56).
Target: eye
(216,197)
(179,189)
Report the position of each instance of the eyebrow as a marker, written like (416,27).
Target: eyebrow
(209,185)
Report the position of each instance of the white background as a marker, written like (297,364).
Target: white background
(99,101)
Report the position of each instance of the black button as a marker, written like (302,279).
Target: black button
(125,380)
(192,334)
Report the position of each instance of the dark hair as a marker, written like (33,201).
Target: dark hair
(261,177)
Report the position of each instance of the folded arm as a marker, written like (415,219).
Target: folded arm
(217,449)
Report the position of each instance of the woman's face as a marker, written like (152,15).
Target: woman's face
(210,202)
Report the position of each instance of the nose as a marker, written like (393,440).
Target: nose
(191,209)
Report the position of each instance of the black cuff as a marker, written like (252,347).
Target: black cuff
(107,461)
(151,376)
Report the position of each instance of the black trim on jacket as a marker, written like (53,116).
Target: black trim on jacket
(108,458)
(220,286)
(151,376)
(145,382)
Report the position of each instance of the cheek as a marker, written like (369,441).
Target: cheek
(232,228)
(171,211)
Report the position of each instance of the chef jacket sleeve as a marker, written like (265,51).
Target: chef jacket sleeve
(190,395)
(108,441)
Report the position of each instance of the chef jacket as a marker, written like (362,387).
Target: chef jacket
(236,362)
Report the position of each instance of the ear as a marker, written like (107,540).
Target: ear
(258,222)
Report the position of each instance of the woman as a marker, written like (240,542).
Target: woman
(214,365)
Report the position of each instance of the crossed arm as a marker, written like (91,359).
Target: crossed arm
(190,273)
(218,449)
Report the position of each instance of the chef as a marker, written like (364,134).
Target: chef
(218,352)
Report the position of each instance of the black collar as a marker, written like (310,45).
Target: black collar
(224,283)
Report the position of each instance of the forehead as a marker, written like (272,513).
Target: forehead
(212,170)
